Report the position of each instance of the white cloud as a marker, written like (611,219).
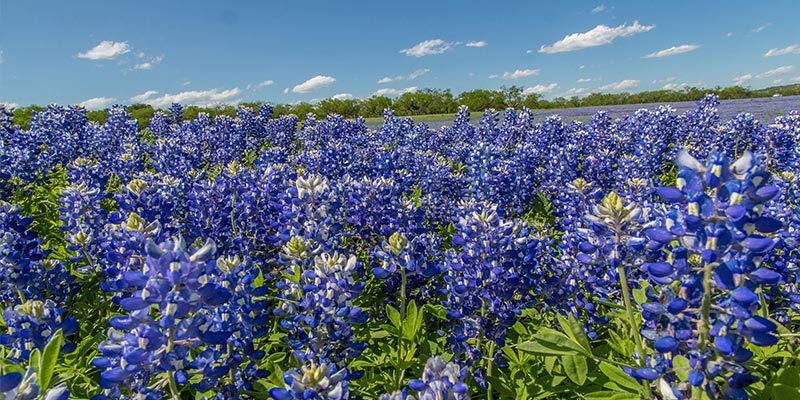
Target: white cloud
(742,79)
(1,57)
(739,80)
(618,86)
(529,51)
(598,9)
(795,79)
(203,98)
(9,105)
(540,89)
(729,34)
(684,48)
(394,92)
(187,83)
(106,50)
(97,103)
(286,90)
(148,64)
(575,92)
(665,80)
(316,83)
(582,67)
(266,83)
(600,35)
(343,96)
(584,80)
(140,98)
(410,77)
(140,54)
(428,47)
(675,86)
(479,43)
(520,73)
(793,49)
(777,71)
(777,81)
(762,27)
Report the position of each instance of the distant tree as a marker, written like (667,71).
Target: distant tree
(481,99)
(374,106)
(512,96)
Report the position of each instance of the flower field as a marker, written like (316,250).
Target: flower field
(650,256)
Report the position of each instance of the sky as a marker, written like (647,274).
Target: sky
(99,53)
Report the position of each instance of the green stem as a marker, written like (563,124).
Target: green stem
(173,387)
(489,359)
(705,309)
(634,321)
(400,356)
(233,213)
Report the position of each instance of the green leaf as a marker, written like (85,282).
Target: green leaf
(413,321)
(394,317)
(607,394)
(789,377)
(680,365)
(49,360)
(550,363)
(35,358)
(576,368)
(785,392)
(551,342)
(575,331)
(619,377)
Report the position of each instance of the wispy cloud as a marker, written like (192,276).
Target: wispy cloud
(599,36)
(777,71)
(618,86)
(139,98)
(762,27)
(106,50)
(479,43)
(1,57)
(343,96)
(148,64)
(665,80)
(684,48)
(520,73)
(729,34)
(97,103)
(675,86)
(203,98)
(9,105)
(186,83)
(428,47)
(410,77)
(598,9)
(316,83)
(575,92)
(540,89)
(793,49)
(260,85)
(741,79)
(394,92)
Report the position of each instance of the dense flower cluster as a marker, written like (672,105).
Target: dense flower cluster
(194,239)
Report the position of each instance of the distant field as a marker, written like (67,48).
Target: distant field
(764,109)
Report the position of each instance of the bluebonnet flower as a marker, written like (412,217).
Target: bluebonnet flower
(716,242)
(15,385)
(317,307)
(30,325)
(314,381)
(212,306)
(441,380)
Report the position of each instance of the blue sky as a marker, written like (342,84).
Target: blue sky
(103,52)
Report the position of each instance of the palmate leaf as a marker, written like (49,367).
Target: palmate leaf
(576,368)
(551,342)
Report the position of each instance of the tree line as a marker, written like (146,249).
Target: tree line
(442,101)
